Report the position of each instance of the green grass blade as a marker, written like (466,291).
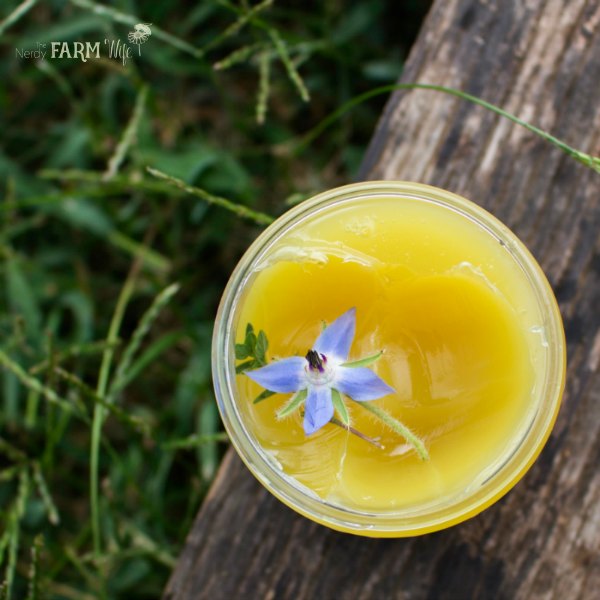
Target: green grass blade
(10,389)
(16,14)
(22,299)
(129,135)
(149,355)
(80,213)
(14,526)
(245,18)
(264,88)
(31,409)
(150,257)
(74,351)
(121,373)
(292,72)
(239,209)
(13,530)
(33,590)
(237,57)
(62,83)
(592,162)
(11,451)
(141,540)
(45,495)
(99,411)
(137,424)
(36,385)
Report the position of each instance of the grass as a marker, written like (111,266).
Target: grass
(129,192)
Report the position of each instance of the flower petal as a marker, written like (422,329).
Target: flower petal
(337,338)
(361,384)
(318,408)
(285,375)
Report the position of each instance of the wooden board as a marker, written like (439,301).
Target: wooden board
(540,60)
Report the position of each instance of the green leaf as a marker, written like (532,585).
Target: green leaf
(188,162)
(82,310)
(22,299)
(83,214)
(263,396)
(363,362)
(245,366)
(141,331)
(251,343)
(340,407)
(262,345)
(151,354)
(74,147)
(241,352)
(293,405)
(254,348)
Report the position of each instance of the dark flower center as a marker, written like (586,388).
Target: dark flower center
(316,361)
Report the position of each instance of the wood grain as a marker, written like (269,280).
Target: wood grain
(541,61)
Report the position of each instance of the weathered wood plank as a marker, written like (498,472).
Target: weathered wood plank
(540,60)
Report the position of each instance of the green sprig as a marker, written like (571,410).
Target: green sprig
(239,209)
(44,492)
(296,145)
(33,589)
(253,351)
(398,427)
(264,69)
(16,14)
(237,57)
(36,385)
(244,18)
(282,51)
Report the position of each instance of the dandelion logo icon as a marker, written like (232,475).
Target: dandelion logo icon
(140,34)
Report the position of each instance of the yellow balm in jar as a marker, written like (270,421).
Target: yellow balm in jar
(467,336)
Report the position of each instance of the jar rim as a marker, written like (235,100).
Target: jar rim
(387,523)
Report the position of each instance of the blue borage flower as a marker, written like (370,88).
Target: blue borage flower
(324,373)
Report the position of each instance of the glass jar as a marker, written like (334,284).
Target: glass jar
(533,305)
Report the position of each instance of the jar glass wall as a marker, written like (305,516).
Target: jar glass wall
(473,341)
